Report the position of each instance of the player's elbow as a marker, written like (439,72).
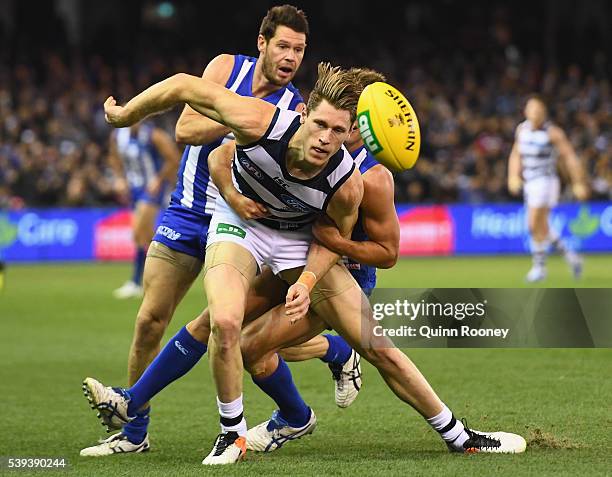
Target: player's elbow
(183,134)
(389,260)
(179,87)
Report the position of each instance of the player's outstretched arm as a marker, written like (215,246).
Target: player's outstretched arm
(379,221)
(574,167)
(248,118)
(343,209)
(220,167)
(194,128)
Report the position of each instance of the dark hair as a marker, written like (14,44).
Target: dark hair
(338,87)
(537,97)
(285,15)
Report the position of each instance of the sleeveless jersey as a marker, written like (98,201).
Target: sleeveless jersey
(141,160)
(194,188)
(538,156)
(260,172)
(365,275)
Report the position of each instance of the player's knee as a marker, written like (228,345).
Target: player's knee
(225,330)
(150,326)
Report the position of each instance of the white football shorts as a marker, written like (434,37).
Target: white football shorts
(542,192)
(279,249)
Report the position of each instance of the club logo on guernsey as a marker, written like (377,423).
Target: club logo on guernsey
(295,204)
(367,133)
(180,347)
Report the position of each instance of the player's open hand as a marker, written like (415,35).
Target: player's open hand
(326,232)
(115,115)
(247,208)
(297,302)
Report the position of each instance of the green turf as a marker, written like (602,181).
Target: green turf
(58,324)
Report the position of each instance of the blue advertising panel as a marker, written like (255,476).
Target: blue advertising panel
(49,234)
(105,234)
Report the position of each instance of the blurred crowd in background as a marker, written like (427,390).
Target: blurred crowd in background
(469,99)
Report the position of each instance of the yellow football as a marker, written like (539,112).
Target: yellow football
(389,126)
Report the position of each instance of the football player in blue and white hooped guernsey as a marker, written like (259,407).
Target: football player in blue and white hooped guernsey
(144,159)
(176,254)
(533,166)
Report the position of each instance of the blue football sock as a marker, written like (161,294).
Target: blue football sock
(338,352)
(179,355)
(139,261)
(280,387)
(136,430)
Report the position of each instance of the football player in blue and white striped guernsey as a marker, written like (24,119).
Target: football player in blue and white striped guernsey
(176,254)
(144,159)
(302,160)
(533,166)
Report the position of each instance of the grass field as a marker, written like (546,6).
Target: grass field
(59,324)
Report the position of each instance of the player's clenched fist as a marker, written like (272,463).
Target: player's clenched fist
(115,115)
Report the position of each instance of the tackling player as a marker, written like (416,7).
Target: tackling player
(533,161)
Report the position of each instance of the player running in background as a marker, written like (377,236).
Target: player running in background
(144,159)
(532,165)
(176,254)
(296,166)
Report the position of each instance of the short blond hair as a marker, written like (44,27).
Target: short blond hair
(336,86)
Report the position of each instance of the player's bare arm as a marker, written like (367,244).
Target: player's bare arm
(574,167)
(343,209)
(379,221)
(514,170)
(195,129)
(220,168)
(171,156)
(248,118)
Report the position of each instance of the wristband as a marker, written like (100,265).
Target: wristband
(308,279)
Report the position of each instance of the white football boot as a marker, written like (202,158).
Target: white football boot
(347,379)
(492,442)
(111,403)
(128,290)
(228,448)
(115,444)
(271,435)
(536,274)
